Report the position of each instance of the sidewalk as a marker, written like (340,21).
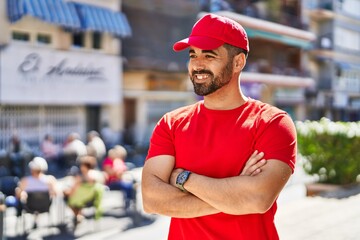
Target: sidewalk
(319,218)
(298,218)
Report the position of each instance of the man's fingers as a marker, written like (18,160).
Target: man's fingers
(254,158)
(255,166)
(257,171)
(255,162)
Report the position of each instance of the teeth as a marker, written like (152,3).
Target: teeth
(201,76)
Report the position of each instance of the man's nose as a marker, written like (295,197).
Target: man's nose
(197,65)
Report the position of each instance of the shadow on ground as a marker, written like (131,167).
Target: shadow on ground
(128,220)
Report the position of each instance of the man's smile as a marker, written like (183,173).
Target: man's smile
(201,76)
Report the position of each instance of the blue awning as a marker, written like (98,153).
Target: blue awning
(53,11)
(71,15)
(103,20)
(300,43)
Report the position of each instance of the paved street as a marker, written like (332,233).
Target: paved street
(318,218)
(298,218)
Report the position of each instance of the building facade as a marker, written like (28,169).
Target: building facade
(335,59)
(60,68)
(156,79)
(276,70)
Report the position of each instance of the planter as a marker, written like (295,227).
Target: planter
(332,190)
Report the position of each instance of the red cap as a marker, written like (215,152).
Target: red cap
(211,31)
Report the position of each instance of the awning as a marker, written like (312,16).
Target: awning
(71,15)
(53,11)
(259,24)
(252,33)
(103,20)
(258,28)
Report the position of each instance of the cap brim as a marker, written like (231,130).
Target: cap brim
(202,42)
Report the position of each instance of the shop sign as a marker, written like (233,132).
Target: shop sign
(46,76)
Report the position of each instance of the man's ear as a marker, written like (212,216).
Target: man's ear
(239,62)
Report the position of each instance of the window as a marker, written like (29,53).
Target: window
(351,7)
(21,36)
(347,39)
(78,39)
(96,40)
(43,38)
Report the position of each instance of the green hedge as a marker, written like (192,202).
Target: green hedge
(331,150)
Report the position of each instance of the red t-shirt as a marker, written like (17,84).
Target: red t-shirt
(217,143)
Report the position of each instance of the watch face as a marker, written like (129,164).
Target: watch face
(182,177)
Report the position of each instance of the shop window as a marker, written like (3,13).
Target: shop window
(78,39)
(96,40)
(21,36)
(44,38)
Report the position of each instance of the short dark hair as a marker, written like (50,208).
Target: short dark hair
(233,51)
(87,165)
(88,161)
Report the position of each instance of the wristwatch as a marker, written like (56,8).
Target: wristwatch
(181,179)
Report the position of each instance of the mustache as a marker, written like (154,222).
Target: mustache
(201,72)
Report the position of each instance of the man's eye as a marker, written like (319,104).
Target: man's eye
(209,56)
(191,56)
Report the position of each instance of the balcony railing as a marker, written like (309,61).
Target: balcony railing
(287,15)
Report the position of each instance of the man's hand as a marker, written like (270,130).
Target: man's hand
(160,197)
(254,164)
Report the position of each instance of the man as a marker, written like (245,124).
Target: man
(96,146)
(73,145)
(19,153)
(72,150)
(194,171)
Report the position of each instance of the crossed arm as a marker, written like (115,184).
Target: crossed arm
(250,192)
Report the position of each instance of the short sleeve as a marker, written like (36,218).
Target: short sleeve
(277,139)
(161,141)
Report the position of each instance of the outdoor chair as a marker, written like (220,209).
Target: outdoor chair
(36,203)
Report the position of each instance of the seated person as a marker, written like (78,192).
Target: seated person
(96,146)
(72,149)
(49,150)
(86,189)
(51,153)
(114,168)
(38,181)
(19,154)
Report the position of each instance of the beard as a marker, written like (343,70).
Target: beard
(216,81)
